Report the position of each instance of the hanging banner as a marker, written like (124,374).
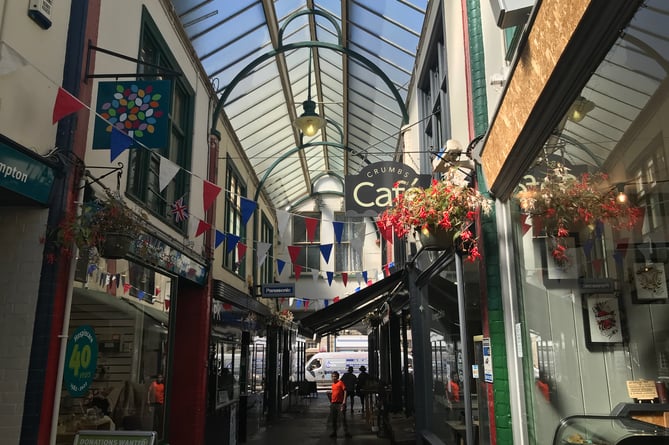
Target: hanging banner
(138,109)
(81,361)
(372,190)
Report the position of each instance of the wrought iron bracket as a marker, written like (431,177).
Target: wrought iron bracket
(161,70)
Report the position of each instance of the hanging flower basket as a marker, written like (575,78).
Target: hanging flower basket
(108,225)
(562,203)
(435,238)
(449,205)
(115,246)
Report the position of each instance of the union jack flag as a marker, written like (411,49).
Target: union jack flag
(179,210)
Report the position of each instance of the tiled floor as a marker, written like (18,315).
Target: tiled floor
(306,423)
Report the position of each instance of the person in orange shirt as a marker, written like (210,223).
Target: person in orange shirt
(454,387)
(338,404)
(156,400)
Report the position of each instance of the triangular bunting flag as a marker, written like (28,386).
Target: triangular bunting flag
(326,303)
(231,242)
(298,271)
(330,275)
(523,223)
(119,143)
(220,236)
(261,252)
(279,265)
(247,209)
(306,304)
(282,218)
(141,294)
(298,303)
(326,249)
(344,278)
(588,245)
(168,170)
(209,193)
(364,276)
(202,227)
(294,252)
(386,271)
(335,300)
(597,265)
(338,227)
(126,288)
(311,224)
(241,250)
(65,105)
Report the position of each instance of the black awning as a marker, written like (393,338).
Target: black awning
(350,310)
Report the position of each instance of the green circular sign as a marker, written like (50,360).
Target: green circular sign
(81,361)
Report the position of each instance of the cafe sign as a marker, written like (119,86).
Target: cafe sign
(25,175)
(372,190)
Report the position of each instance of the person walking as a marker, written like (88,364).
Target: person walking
(156,401)
(363,378)
(350,380)
(338,404)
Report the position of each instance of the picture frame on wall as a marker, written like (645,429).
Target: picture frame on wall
(650,282)
(647,273)
(555,271)
(603,319)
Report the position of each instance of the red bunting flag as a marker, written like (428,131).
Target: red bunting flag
(344,278)
(311,224)
(241,250)
(298,271)
(335,300)
(126,288)
(65,105)
(294,252)
(202,227)
(209,193)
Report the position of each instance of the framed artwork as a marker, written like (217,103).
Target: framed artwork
(603,320)
(650,282)
(647,273)
(568,267)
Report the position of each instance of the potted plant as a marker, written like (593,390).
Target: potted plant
(447,210)
(108,225)
(561,202)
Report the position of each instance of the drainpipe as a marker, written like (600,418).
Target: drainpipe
(464,340)
(63,337)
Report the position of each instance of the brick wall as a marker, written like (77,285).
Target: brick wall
(20,265)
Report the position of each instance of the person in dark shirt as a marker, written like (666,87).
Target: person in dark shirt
(363,378)
(350,380)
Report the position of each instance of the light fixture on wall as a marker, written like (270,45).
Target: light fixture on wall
(579,109)
(309,122)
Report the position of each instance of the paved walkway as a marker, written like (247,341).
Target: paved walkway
(306,423)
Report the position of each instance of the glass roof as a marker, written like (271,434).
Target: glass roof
(363,115)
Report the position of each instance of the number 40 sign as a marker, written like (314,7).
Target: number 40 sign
(81,361)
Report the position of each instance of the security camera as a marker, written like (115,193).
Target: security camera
(452,150)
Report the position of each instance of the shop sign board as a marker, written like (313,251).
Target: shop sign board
(97,437)
(81,360)
(372,190)
(278,290)
(24,175)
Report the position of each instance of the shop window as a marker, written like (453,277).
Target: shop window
(131,335)
(144,164)
(310,253)
(266,269)
(224,363)
(235,191)
(347,256)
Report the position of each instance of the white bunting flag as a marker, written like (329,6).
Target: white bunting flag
(261,252)
(168,170)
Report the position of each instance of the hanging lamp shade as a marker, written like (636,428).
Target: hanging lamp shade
(309,122)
